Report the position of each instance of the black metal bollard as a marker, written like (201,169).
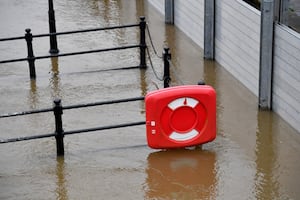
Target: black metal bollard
(52,29)
(201,82)
(59,132)
(166,57)
(143,45)
(30,57)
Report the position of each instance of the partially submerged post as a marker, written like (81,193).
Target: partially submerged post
(169,11)
(209,29)
(30,57)
(59,132)
(166,57)
(266,54)
(52,29)
(143,45)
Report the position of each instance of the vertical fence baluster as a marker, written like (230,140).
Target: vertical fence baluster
(166,57)
(143,45)
(31,58)
(52,28)
(58,111)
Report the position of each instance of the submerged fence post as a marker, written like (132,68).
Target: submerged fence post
(166,57)
(52,28)
(59,132)
(266,55)
(143,45)
(31,58)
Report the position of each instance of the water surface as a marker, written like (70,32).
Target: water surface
(255,155)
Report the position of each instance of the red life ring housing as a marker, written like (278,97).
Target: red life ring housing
(180,116)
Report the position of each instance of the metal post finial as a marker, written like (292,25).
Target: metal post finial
(30,55)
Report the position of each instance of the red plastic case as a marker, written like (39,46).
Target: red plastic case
(180,116)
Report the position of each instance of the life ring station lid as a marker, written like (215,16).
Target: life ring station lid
(180,116)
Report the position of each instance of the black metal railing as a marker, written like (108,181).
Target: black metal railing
(58,109)
(30,52)
(59,133)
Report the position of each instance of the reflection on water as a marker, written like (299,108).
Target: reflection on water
(181,174)
(61,190)
(33,96)
(255,155)
(144,88)
(55,79)
(267,185)
(260,149)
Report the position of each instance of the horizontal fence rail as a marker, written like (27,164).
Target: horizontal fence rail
(59,132)
(57,108)
(70,32)
(12,38)
(105,128)
(54,52)
(124,125)
(70,54)
(72,107)
(88,30)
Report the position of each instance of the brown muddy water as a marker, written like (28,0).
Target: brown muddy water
(255,155)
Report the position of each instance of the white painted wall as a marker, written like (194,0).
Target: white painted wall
(237,48)
(286,87)
(237,40)
(159,5)
(189,17)
(237,34)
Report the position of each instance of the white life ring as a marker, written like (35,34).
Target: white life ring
(183,118)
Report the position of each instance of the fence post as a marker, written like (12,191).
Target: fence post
(166,57)
(266,54)
(209,29)
(58,111)
(52,29)
(31,58)
(169,11)
(143,45)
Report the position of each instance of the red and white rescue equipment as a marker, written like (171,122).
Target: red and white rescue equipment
(180,116)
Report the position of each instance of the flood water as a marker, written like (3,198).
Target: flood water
(255,154)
